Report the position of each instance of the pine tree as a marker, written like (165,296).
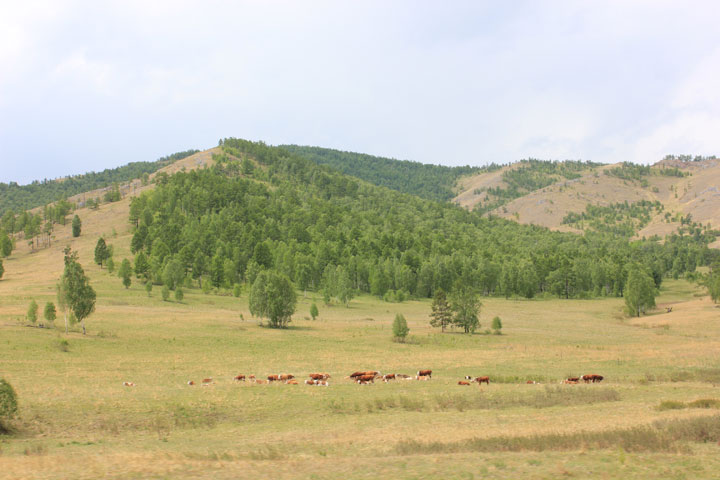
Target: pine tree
(441,312)
(50,314)
(101,252)
(76,226)
(314,311)
(125,272)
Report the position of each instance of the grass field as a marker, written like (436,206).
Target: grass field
(78,421)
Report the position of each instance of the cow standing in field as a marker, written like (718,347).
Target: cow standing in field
(425,373)
(207,381)
(239,378)
(572,379)
(272,378)
(284,377)
(319,376)
(481,380)
(422,377)
(388,376)
(594,378)
(128,384)
(190,382)
(366,378)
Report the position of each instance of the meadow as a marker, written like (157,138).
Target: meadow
(77,420)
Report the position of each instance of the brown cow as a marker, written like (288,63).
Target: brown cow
(291,382)
(322,383)
(285,377)
(464,382)
(531,382)
(481,380)
(425,373)
(366,378)
(592,378)
(251,377)
(356,374)
(573,379)
(272,378)
(239,378)
(207,381)
(388,376)
(422,377)
(190,382)
(261,381)
(128,384)
(319,376)
(570,382)
(402,375)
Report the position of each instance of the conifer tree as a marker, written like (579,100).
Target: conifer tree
(442,314)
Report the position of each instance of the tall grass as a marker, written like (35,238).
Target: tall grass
(550,396)
(667,436)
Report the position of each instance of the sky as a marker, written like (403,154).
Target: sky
(88,85)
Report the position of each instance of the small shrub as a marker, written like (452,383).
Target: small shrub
(32,312)
(236,290)
(314,311)
(165,293)
(671,405)
(148,288)
(63,345)
(400,328)
(179,294)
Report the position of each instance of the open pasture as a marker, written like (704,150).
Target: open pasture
(77,420)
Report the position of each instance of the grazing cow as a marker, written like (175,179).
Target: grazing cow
(319,376)
(364,382)
(388,376)
(272,378)
(190,382)
(481,380)
(239,378)
(573,379)
(598,378)
(251,377)
(356,374)
(570,382)
(207,381)
(310,382)
(402,375)
(128,384)
(366,378)
(469,377)
(322,383)
(425,373)
(285,377)
(531,382)
(422,377)
(291,382)
(261,381)
(464,382)
(594,378)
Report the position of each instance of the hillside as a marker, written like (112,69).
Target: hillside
(686,191)
(434,182)
(16,197)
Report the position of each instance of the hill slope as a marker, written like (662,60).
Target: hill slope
(686,191)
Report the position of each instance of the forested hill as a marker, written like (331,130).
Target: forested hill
(434,182)
(262,207)
(24,197)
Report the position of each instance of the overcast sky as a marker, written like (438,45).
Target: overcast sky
(91,85)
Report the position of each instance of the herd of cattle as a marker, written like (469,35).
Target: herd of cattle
(368,377)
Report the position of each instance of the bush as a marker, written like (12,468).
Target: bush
(497,325)
(179,294)
(236,290)
(32,312)
(148,287)
(400,328)
(8,404)
(63,345)
(314,311)
(165,293)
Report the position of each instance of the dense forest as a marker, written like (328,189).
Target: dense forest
(264,207)
(622,219)
(435,182)
(17,198)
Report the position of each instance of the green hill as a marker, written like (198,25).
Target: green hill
(435,182)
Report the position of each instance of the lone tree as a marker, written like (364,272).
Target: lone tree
(712,282)
(76,226)
(466,305)
(639,291)
(400,328)
(32,312)
(314,311)
(50,314)
(125,272)
(442,314)
(179,294)
(79,295)
(8,405)
(101,252)
(2,269)
(273,296)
